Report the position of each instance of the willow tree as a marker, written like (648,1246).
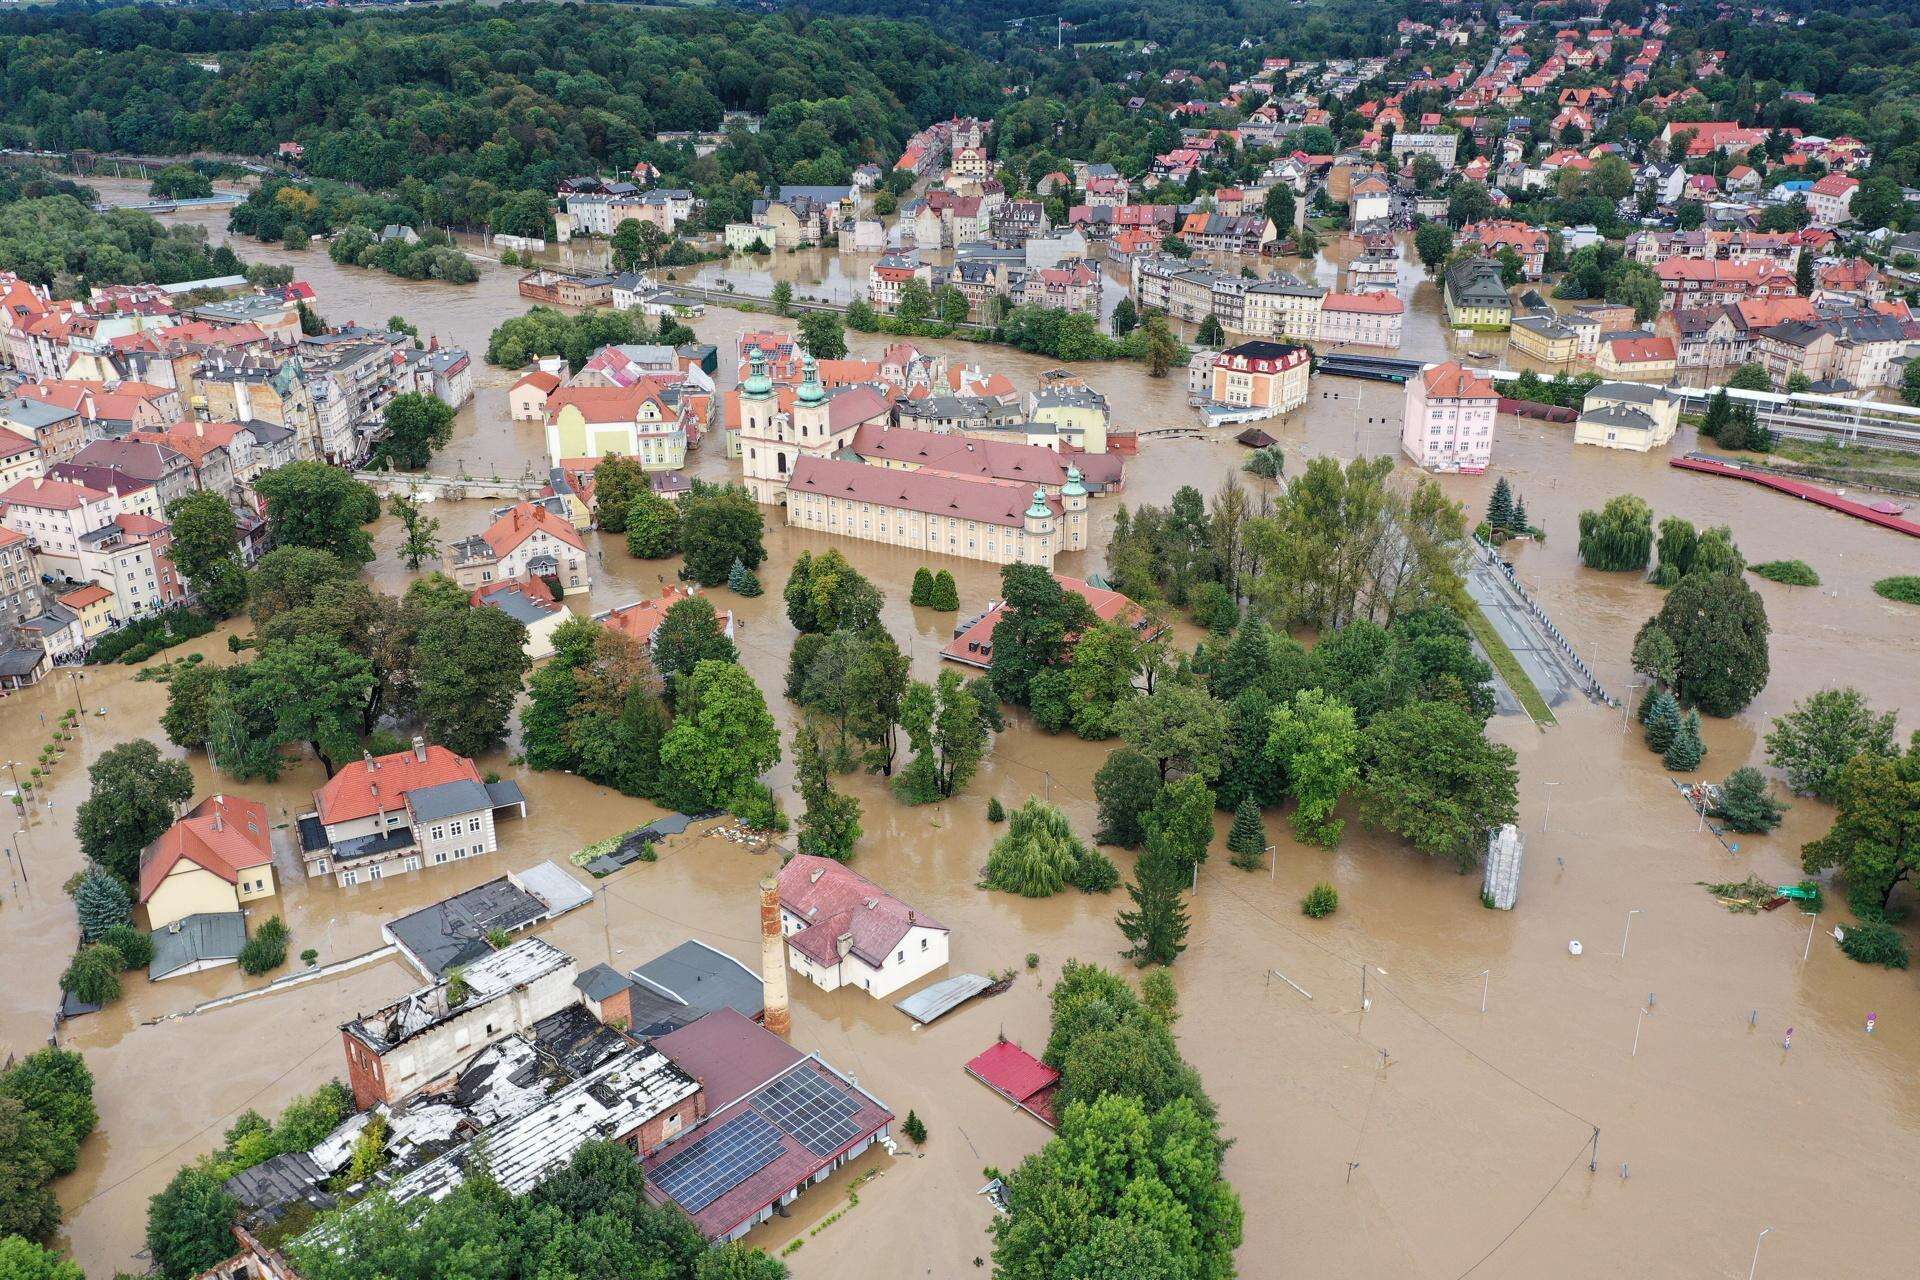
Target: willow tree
(1618,538)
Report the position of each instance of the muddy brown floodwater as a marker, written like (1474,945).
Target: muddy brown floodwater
(1417,1137)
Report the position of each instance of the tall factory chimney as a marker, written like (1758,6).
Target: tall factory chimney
(773,959)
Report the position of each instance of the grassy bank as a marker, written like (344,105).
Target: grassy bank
(1507,665)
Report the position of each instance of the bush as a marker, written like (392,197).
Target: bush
(93,976)
(310,957)
(135,947)
(757,807)
(266,949)
(1321,901)
(1793,573)
(1040,855)
(1904,588)
(945,596)
(914,1128)
(1876,942)
(994,812)
(1268,463)
(922,593)
(138,641)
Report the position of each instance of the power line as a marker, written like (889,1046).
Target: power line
(1502,1242)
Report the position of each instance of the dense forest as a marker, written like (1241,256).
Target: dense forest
(456,108)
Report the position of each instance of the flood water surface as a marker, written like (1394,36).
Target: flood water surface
(1408,1133)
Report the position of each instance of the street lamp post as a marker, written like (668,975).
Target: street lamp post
(1755,1264)
(1626,704)
(1546,818)
(1628,930)
(1486,980)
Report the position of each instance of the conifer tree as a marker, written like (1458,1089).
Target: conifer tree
(1247,839)
(1719,411)
(741,582)
(945,595)
(1519,524)
(101,902)
(922,591)
(1157,926)
(1684,753)
(995,811)
(1663,722)
(1500,506)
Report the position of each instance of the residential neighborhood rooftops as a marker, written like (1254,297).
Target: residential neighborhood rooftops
(972,643)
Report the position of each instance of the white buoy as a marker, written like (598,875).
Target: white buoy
(1574,947)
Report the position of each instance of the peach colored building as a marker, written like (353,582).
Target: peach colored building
(1450,412)
(1365,319)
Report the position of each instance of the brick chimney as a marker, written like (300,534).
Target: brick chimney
(773,960)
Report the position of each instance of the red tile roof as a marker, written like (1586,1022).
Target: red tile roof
(222,834)
(729,1053)
(955,497)
(1454,381)
(56,495)
(1017,1076)
(83,597)
(380,784)
(523,521)
(642,618)
(961,455)
(1378,304)
(974,646)
(608,404)
(1642,350)
(838,901)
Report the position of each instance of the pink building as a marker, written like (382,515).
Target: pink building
(1367,319)
(1449,419)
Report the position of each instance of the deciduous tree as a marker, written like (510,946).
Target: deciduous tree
(133,797)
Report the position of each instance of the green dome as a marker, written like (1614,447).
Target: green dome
(1039,510)
(811,392)
(1073,488)
(758,386)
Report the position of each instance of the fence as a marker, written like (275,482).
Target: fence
(1590,683)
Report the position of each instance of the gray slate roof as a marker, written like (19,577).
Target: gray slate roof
(447,800)
(212,936)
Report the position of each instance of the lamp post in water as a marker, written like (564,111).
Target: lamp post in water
(1754,1266)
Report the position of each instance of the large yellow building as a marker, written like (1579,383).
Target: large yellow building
(937,511)
(1544,339)
(601,422)
(216,857)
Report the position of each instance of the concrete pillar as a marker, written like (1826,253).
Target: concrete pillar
(773,959)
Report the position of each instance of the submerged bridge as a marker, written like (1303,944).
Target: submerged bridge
(452,488)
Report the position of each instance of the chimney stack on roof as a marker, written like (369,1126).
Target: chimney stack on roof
(773,960)
(419,748)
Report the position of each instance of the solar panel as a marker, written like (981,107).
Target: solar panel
(808,1109)
(719,1162)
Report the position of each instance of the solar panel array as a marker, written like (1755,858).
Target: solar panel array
(718,1163)
(808,1109)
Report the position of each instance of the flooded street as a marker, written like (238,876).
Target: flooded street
(1476,1133)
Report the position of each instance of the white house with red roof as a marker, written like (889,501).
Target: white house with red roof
(527,540)
(1830,200)
(383,815)
(1449,420)
(218,856)
(844,930)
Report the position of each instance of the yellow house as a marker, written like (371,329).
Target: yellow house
(1543,338)
(215,858)
(1475,297)
(600,422)
(93,605)
(1078,415)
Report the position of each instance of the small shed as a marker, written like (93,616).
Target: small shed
(1020,1078)
(1255,438)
